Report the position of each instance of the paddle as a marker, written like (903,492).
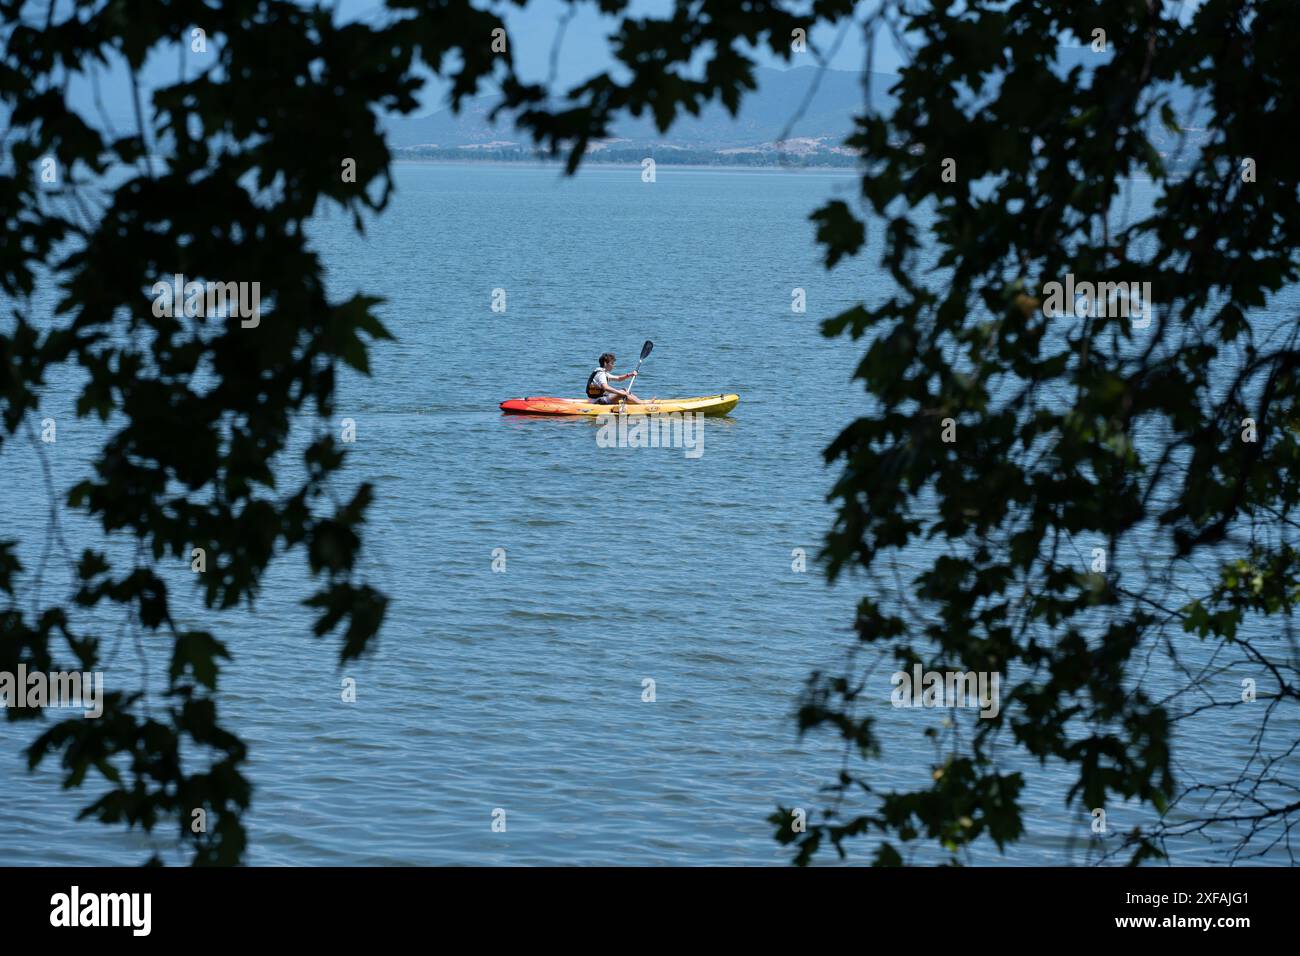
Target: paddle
(645,350)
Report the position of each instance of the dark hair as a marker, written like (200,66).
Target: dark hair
(608,356)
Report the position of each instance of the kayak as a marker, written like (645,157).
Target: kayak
(542,405)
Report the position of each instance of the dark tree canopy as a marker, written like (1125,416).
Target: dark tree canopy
(1076,431)
(1069,428)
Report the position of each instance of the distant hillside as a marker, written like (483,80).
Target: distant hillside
(764,116)
(753,137)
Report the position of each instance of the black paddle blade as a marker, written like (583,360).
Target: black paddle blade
(646,349)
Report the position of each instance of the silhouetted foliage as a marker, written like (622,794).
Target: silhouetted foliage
(1074,431)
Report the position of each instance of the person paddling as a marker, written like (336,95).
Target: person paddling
(601,392)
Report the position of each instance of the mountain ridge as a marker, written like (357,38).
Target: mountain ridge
(769,113)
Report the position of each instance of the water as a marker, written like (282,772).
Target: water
(522,691)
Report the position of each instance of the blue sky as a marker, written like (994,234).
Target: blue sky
(585,50)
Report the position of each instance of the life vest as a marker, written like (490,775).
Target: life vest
(594,390)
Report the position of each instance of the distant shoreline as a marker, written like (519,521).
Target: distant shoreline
(692,167)
(589,162)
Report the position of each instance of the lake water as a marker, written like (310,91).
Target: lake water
(522,690)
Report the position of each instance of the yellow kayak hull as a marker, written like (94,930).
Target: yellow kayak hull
(705,405)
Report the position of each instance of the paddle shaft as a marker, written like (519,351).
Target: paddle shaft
(622,402)
(645,350)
